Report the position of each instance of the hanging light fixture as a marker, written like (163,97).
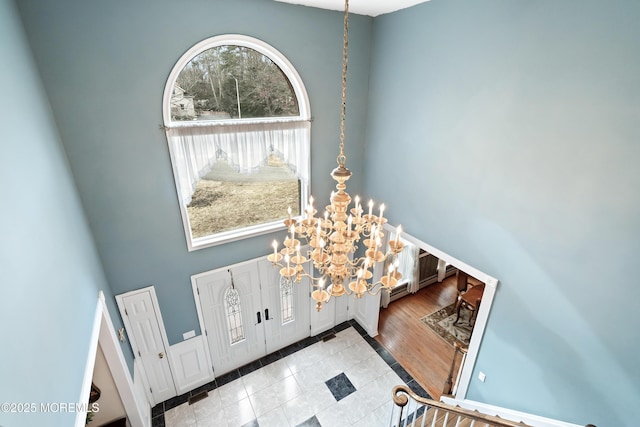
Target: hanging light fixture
(332,239)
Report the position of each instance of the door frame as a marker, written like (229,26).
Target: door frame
(312,329)
(103,333)
(134,346)
(491,284)
(196,298)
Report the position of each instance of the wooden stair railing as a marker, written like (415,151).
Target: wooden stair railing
(448,385)
(412,410)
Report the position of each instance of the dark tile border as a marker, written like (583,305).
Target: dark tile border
(157,412)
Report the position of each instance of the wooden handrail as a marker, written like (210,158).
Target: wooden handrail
(400,398)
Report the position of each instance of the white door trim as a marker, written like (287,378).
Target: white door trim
(163,333)
(196,297)
(203,331)
(491,285)
(103,332)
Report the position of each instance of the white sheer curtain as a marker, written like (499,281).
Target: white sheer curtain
(245,147)
(408,266)
(407,263)
(385,297)
(442,269)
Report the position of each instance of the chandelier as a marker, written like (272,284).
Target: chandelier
(331,240)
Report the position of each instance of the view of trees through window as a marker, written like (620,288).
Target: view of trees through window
(232,82)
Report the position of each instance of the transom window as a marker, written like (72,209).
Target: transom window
(237,119)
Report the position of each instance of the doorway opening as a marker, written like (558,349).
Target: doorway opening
(103,340)
(406,329)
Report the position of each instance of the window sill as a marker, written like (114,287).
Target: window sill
(234,235)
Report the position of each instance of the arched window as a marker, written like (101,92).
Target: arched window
(237,119)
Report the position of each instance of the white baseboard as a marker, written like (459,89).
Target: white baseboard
(508,414)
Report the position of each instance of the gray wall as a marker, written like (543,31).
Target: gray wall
(50,273)
(515,125)
(105,64)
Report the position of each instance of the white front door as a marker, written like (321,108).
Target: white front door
(245,313)
(286,308)
(230,304)
(142,321)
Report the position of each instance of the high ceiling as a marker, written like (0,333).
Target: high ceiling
(361,7)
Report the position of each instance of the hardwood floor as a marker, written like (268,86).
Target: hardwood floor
(423,353)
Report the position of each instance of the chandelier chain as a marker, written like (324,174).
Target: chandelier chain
(342,158)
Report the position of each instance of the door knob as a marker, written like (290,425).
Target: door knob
(161,355)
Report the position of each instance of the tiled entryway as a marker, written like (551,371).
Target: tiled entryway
(342,377)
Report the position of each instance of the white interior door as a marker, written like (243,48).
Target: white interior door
(323,319)
(143,322)
(286,308)
(366,310)
(232,316)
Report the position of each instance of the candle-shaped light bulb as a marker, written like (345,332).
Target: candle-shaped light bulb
(370,207)
(289,211)
(381,210)
(321,283)
(275,250)
(298,250)
(293,235)
(286,258)
(373,233)
(389,275)
(398,235)
(349,222)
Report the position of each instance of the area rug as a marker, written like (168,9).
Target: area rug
(441,322)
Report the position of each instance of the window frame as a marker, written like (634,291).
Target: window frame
(304,115)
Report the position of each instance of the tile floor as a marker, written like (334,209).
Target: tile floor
(341,381)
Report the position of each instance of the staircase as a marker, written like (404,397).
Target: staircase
(412,410)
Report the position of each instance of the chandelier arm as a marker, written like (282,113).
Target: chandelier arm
(373,292)
(355,262)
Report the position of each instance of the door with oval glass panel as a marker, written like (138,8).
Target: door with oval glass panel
(287,306)
(246,313)
(230,313)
